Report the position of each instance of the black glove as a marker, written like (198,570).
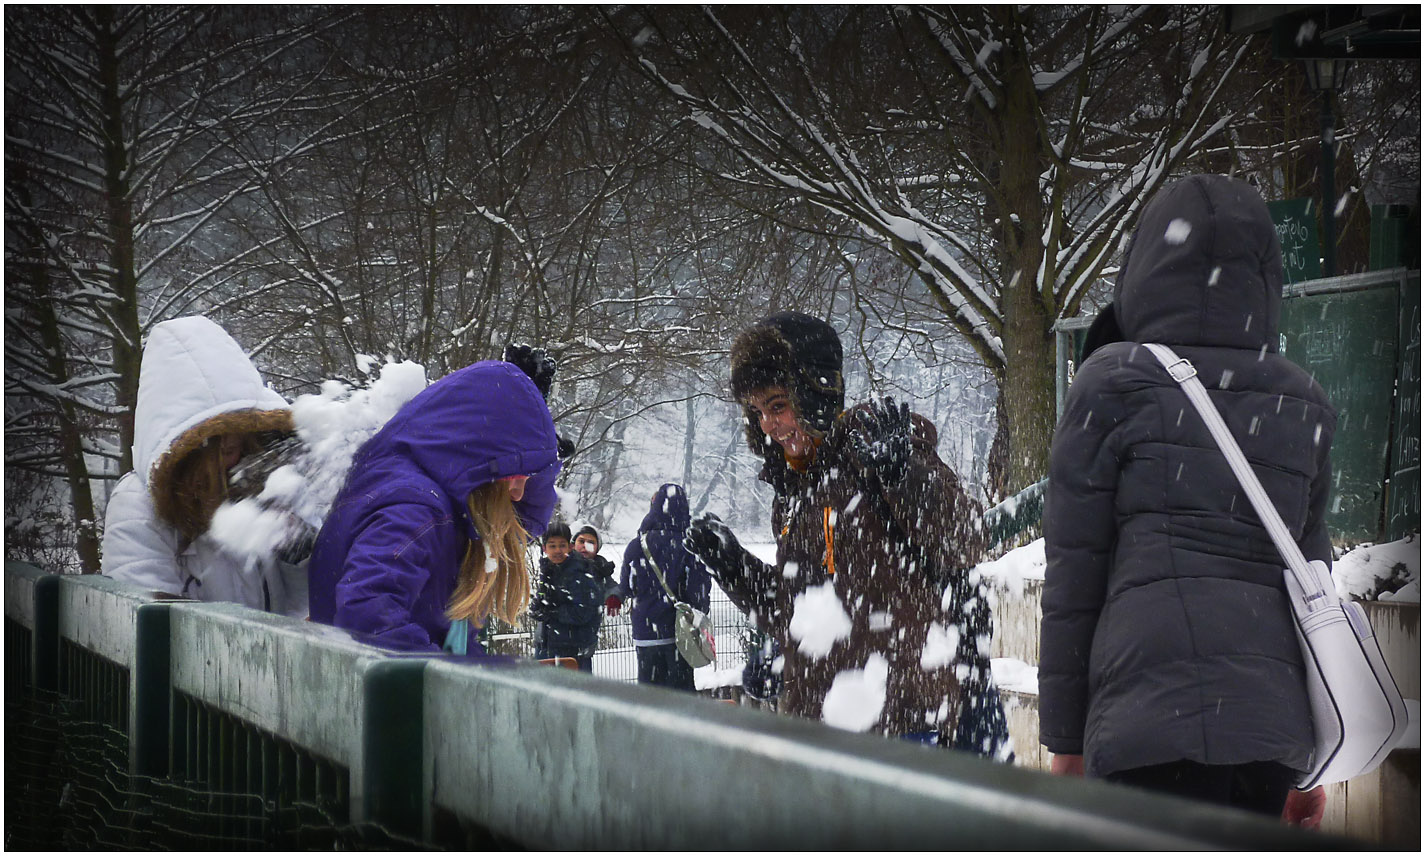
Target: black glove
(299,546)
(566,447)
(884,443)
(535,363)
(709,539)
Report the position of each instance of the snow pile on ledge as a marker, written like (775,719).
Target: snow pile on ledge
(1015,675)
(1385,572)
(1010,571)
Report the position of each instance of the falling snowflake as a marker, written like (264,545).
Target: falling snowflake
(1178,231)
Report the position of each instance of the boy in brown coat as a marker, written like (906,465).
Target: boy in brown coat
(880,625)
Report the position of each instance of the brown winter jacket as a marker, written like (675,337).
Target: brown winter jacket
(889,555)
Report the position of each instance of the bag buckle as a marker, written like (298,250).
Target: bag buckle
(1181,370)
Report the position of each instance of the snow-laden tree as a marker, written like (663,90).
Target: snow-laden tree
(999,153)
(119,152)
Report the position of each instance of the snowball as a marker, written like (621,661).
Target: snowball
(332,425)
(819,621)
(940,648)
(247,529)
(855,700)
(1178,231)
(284,484)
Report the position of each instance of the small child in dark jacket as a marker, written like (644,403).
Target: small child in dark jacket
(566,603)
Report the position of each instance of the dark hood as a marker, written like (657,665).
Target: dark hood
(1203,268)
(668,510)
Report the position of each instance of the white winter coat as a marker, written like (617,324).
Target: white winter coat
(195,383)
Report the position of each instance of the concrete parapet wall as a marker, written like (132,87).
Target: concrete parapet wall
(300,681)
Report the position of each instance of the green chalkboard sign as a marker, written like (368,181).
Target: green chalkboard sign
(1348,341)
(1403,493)
(1296,222)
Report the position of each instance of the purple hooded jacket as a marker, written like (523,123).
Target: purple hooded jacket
(664,527)
(389,553)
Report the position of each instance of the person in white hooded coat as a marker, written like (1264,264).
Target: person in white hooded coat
(202,407)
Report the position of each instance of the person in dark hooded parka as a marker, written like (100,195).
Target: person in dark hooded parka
(1168,653)
(662,531)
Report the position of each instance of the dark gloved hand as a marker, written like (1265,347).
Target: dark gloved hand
(298,546)
(884,443)
(535,363)
(566,447)
(612,605)
(709,539)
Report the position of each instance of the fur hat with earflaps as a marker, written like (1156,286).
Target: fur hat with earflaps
(802,355)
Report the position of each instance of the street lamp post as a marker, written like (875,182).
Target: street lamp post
(1327,76)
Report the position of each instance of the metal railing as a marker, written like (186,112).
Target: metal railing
(252,730)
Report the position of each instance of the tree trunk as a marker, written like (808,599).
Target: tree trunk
(76,468)
(71,436)
(1029,386)
(1028,380)
(688,435)
(123,279)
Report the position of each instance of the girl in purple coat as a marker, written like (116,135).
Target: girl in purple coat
(427,537)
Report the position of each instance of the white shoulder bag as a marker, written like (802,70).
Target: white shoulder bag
(1357,711)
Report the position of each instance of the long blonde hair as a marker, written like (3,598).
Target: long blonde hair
(494,578)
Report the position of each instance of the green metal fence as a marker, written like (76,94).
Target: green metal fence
(134,723)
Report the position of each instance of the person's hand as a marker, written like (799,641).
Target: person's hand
(1067,764)
(1304,809)
(297,547)
(566,447)
(612,605)
(709,539)
(883,445)
(534,362)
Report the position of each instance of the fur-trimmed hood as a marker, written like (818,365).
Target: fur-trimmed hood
(196,383)
(799,353)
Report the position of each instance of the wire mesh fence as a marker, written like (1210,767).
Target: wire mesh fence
(69,785)
(615,656)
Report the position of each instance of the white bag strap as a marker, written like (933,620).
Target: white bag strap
(1182,371)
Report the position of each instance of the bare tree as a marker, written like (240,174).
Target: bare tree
(118,129)
(999,153)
